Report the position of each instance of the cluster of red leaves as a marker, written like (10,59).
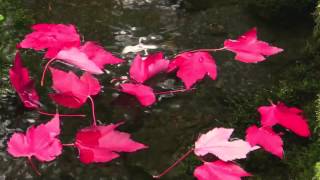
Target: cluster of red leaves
(288,117)
(216,142)
(102,143)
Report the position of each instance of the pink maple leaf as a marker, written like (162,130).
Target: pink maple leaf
(143,93)
(219,170)
(103,143)
(52,37)
(265,137)
(288,117)
(193,66)
(72,91)
(90,57)
(249,49)
(143,69)
(40,142)
(21,82)
(217,143)
(99,55)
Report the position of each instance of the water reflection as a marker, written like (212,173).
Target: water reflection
(170,126)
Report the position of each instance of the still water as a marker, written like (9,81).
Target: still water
(170,126)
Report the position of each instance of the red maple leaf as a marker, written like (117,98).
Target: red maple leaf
(21,82)
(40,142)
(103,143)
(143,69)
(265,137)
(249,49)
(52,37)
(72,91)
(219,170)
(193,66)
(288,117)
(143,93)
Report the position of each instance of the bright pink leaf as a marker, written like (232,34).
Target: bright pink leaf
(92,83)
(40,141)
(52,37)
(103,143)
(266,138)
(193,67)
(288,117)
(143,93)
(219,170)
(143,69)
(249,49)
(217,143)
(72,91)
(90,57)
(98,55)
(21,82)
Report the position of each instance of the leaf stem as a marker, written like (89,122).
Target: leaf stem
(69,144)
(208,50)
(271,102)
(33,167)
(62,115)
(118,79)
(45,70)
(174,164)
(93,111)
(199,50)
(174,91)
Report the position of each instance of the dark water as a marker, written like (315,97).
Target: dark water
(169,127)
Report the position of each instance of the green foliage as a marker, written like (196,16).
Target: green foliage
(317,170)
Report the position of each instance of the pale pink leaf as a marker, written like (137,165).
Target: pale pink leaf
(75,56)
(217,143)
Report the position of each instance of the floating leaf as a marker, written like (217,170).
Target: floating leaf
(193,67)
(72,91)
(52,37)
(21,82)
(219,170)
(40,142)
(103,143)
(143,93)
(249,49)
(265,137)
(143,69)
(288,117)
(217,143)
